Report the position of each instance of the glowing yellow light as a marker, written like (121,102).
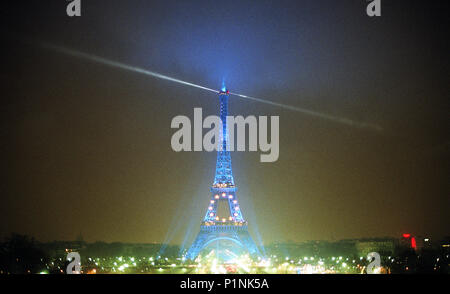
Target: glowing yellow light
(212,201)
(224,194)
(230,196)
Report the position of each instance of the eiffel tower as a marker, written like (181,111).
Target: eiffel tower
(230,227)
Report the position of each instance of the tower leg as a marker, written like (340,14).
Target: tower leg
(205,237)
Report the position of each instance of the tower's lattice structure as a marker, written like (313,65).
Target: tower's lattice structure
(231,225)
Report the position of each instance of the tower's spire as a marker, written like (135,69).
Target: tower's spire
(224,173)
(224,88)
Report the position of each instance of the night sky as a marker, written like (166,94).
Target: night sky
(86,147)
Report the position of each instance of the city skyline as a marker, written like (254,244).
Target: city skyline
(87,146)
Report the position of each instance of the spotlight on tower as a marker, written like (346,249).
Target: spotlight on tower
(224,91)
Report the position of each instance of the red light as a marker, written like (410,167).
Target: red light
(413,243)
(406,235)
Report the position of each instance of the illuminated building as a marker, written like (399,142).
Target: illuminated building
(411,240)
(231,227)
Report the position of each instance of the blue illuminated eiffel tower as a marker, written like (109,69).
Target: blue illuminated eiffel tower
(232,226)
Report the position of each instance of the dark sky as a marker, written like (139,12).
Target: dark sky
(86,147)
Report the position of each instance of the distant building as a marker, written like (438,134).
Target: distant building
(385,247)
